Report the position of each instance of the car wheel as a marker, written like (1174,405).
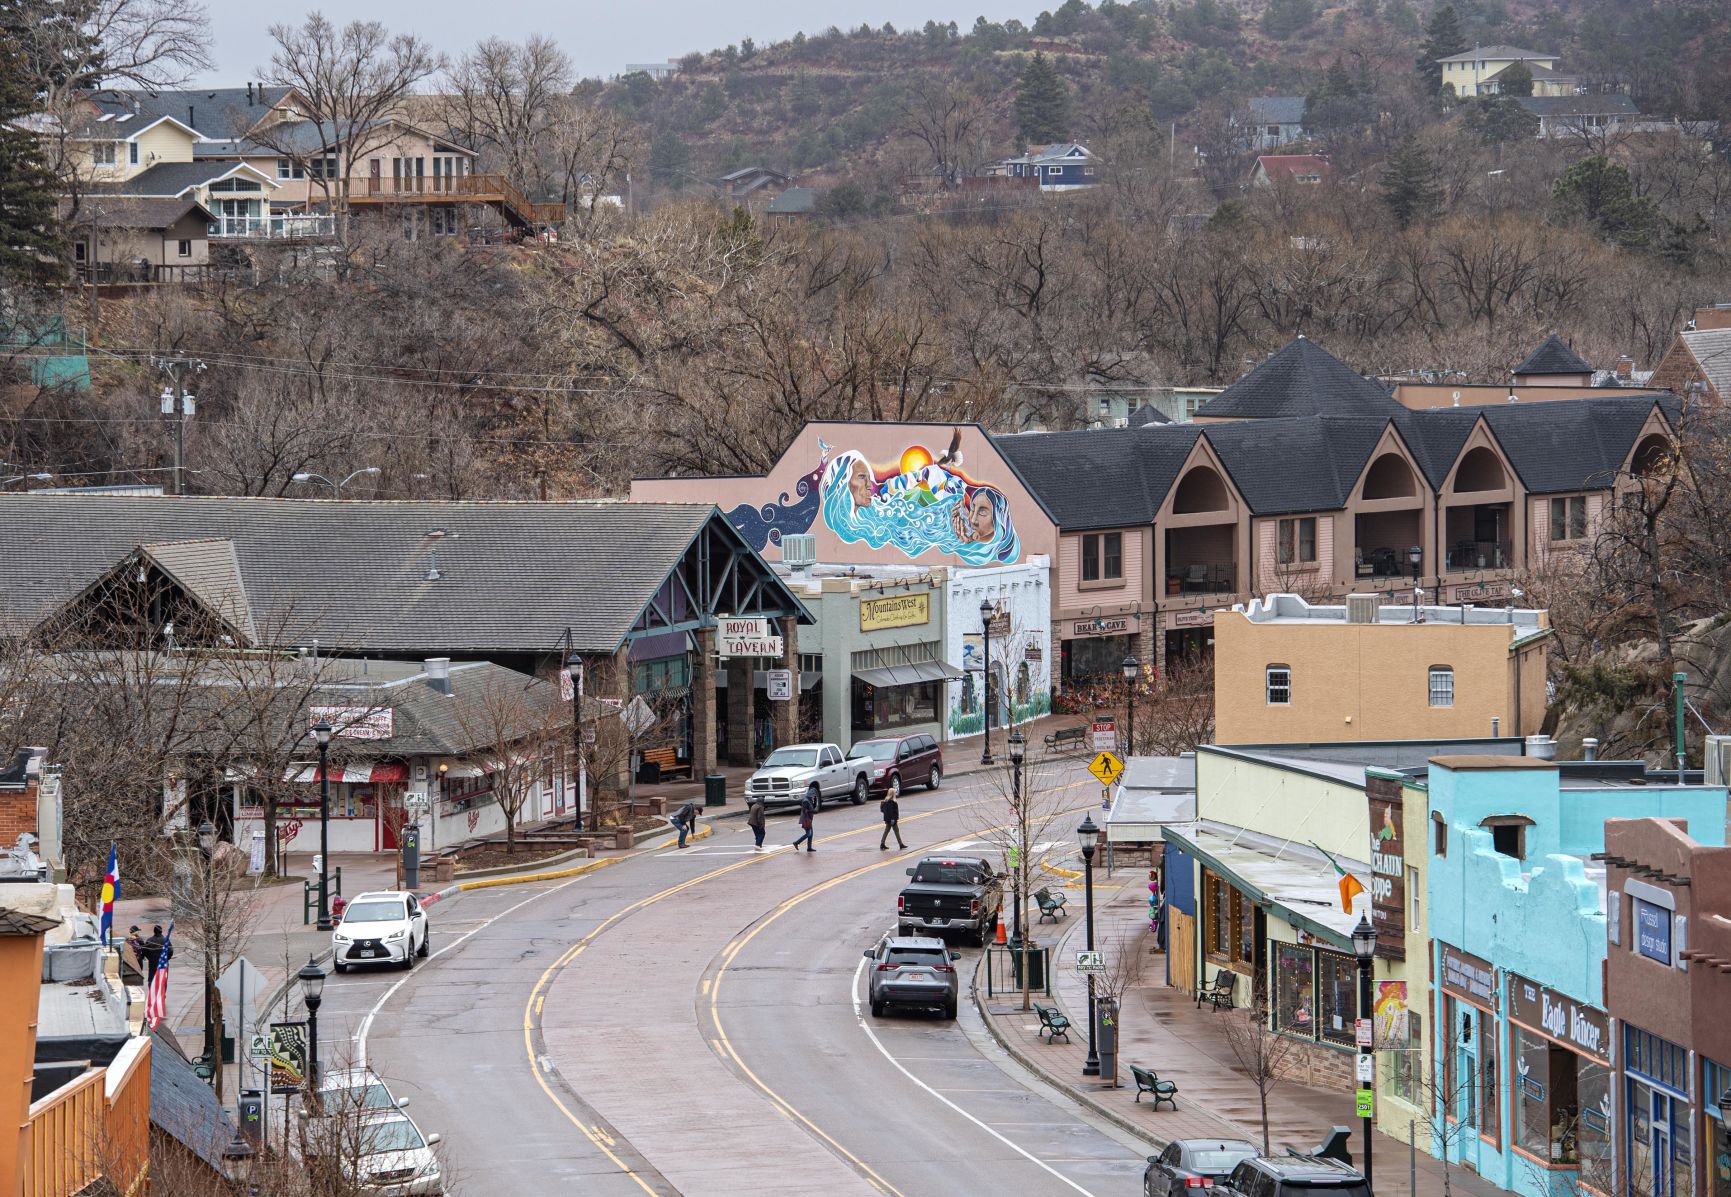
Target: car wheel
(877,1009)
(339,966)
(950,1010)
(408,958)
(861,788)
(426,945)
(934,777)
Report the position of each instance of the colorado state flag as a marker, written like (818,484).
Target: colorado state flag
(110,892)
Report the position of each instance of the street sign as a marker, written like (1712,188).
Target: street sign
(1105,735)
(1107,768)
(1366,1069)
(567,688)
(1363,1032)
(779,683)
(258,1047)
(637,717)
(1090,962)
(1366,1104)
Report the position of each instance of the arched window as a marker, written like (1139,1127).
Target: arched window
(1279,684)
(1201,490)
(1390,478)
(1442,686)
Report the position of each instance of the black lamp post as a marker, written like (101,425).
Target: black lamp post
(312,979)
(322,730)
(207,942)
(1132,668)
(986,613)
(1018,754)
(1364,947)
(1415,557)
(1089,835)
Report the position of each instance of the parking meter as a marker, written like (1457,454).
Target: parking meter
(411,848)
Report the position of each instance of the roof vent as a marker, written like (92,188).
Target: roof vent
(439,674)
(1361,608)
(799,551)
(1542,747)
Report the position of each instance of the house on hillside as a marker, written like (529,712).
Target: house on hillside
(120,239)
(751,183)
(1573,116)
(1272,121)
(1062,166)
(1274,170)
(1698,361)
(1476,72)
(795,203)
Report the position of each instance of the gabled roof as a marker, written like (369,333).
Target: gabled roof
(1294,164)
(794,201)
(1148,414)
(1127,470)
(1497,54)
(175,179)
(134,212)
(209,570)
(1277,110)
(1711,349)
(1261,457)
(127,127)
(1537,70)
(1302,379)
(220,112)
(1553,356)
(1554,106)
(1572,444)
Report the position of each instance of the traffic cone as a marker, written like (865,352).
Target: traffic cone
(1001,940)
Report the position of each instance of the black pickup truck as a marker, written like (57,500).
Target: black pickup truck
(951,893)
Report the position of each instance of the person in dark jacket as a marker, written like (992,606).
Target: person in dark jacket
(755,819)
(807,823)
(892,811)
(685,818)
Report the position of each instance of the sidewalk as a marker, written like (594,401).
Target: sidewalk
(1161,1028)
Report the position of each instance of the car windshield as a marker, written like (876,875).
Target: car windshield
(934,872)
(370,1095)
(878,750)
(392,1134)
(373,912)
(1222,1160)
(802,758)
(926,956)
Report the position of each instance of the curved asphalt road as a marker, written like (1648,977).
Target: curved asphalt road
(689,1023)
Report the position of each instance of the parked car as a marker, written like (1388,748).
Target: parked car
(951,893)
(1193,1164)
(393,1158)
(1294,1176)
(902,761)
(354,1091)
(911,970)
(385,927)
(820,770)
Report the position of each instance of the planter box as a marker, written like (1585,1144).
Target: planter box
(624,837)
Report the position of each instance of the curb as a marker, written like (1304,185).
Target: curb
(1051,1078)
(703,832)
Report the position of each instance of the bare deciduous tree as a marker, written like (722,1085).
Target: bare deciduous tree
(1263,1054)
(504,99)
(515,726)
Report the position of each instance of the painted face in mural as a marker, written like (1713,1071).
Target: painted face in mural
(982,518)
(860,483)
(918,503)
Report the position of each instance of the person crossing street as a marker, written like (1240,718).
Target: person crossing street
(807,824)
(892,812)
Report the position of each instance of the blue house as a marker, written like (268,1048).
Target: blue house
(1058,167)
(1523,1090)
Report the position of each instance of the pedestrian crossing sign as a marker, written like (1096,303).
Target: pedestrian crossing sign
(1107,768)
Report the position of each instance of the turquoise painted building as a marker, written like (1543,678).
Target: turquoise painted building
(1523,1088)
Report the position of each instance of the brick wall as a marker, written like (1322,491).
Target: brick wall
(17,812)
(1323,1067)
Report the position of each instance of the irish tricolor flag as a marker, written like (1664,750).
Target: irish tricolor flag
(1350,887)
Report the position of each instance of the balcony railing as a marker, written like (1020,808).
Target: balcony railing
(96,1126)
(143,274)
(278,226)
(1480,554)
(1200,578)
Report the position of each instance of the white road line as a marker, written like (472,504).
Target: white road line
(865,1026)
(360,1036)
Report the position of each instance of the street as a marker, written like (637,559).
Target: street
(691,1022)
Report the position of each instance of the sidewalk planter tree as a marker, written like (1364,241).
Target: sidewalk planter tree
(1012,819)
(1264,1054)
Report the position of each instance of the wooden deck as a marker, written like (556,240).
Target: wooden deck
(493,190)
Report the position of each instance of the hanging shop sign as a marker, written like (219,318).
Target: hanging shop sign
(746,638)
(1387,867)
(1543,1009)
(356,723)
(895,611)
(1468,976)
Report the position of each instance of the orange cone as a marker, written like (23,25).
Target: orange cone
(1001,940)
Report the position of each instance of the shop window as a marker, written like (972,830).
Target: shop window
(1228,922)
(1337,997)
(1295,990)
(1508,834)
(1279,683)
(1298,541)
(1439,834)
(1569,518)
(1442,686)
(1406,1062)
(1103,557)
(1094,656)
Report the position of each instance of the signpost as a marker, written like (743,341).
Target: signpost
(1105,735)
(1106,768)
(779,683)
(1090,962)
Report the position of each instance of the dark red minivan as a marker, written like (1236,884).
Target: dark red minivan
(902,761)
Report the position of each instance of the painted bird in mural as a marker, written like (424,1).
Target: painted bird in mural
(953,455)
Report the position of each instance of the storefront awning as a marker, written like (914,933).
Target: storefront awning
(1155,791)
(384,771)
(1293,880)
(909,675)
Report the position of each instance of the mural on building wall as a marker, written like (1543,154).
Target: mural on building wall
(917,503)
(765,525)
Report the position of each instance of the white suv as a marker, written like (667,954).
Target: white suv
(379,928)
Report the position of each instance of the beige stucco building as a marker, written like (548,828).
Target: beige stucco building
(1289,672)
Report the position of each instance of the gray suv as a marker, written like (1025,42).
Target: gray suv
(912,970)
(1294,1176)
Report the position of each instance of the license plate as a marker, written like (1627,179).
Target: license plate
(921,978)
(368,953)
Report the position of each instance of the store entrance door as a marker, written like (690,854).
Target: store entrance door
(1463,1096)
(391,818)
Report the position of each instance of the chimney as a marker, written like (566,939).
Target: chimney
(1589,749)
(1542,747)
(1716,315)
(1625,367)
(249,93)
(439,674)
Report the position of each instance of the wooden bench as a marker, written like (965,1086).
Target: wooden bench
(666,762)
(1148,1081)
(1219,994)
(1067,737)
(1051,905)
(1053,1023)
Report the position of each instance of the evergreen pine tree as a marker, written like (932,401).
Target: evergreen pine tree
(1443,39)
(1042,103)
(669,159)
(1409,185)
(32,245)
(1516,80)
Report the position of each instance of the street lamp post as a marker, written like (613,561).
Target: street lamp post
(986,613)
(312,979)
(322,730)
(1018,753)
(1364,947)
(1089,835)
(1415,556)
(207,941)
(336,487)
(1132,668)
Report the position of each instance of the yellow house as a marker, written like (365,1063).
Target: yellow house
(1476,71)
(1287,672)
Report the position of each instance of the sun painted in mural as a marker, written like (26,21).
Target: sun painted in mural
(917,503)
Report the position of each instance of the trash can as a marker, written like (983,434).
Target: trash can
(1106,1037)
(715,790)
(1036,958)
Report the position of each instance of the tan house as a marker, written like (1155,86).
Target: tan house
(118,239)
(1478,71)
(1289,672)
(1698,360)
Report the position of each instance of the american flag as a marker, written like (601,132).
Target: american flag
(156,1000)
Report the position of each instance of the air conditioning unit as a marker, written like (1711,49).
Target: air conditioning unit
(1718,762)
(1361,608)
(799,551)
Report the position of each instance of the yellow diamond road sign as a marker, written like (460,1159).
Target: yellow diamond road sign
(1107,768)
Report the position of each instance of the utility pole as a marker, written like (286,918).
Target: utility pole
(180,406)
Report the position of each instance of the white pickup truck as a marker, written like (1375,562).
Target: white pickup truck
(819,770)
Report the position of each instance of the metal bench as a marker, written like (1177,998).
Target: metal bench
(1053,1023)
(1219,994)
(1148,1081)
(1051,904)
(1067,737)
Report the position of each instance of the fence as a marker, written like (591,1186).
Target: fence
(1004,972)
(95,1126)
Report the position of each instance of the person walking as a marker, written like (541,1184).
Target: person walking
(152,952)
(685,818)
(807,823)
(754,819)
(892,811)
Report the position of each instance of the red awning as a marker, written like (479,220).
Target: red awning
(384,771)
